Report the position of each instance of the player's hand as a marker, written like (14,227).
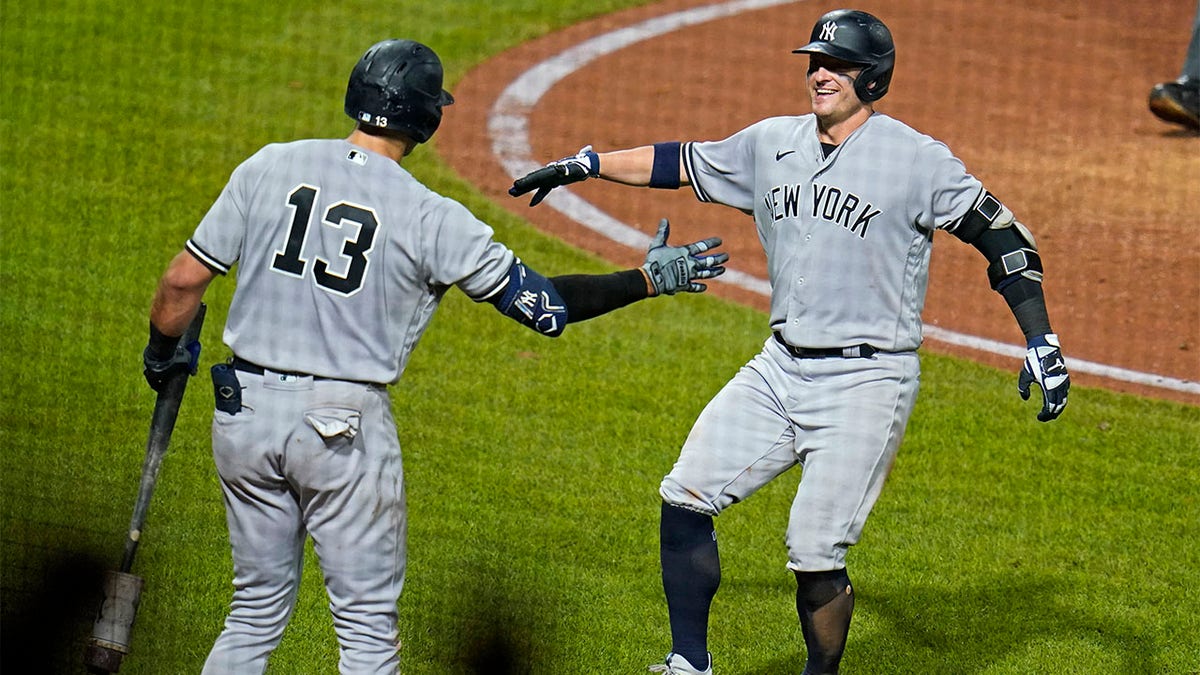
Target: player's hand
(1044,365)
(672,269)
(585,164)
(159,372)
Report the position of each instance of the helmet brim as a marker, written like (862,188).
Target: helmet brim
(839,53)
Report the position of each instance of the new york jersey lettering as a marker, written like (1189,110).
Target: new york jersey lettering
(828,203)
(842,208)
(783,201)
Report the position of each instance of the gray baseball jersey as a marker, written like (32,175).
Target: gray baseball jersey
(847,237)
(338,241)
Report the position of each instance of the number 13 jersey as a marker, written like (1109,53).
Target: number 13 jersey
(342,259)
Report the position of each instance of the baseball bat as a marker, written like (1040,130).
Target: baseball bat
(110,638)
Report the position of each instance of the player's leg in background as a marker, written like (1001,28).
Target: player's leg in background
(1191,62)
(1178,102)
(854,413)
(740,442)
(347,465)
(265,530)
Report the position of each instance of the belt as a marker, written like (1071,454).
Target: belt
(249,367)
(863,351)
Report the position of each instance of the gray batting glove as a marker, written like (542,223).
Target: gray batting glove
(1044,365)
(673,269)
(585,164)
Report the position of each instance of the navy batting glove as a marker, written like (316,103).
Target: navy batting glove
(159,372)
(675,268)
(1044,365)
(584,164)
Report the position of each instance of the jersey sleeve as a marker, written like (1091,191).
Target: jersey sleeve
(722,171)
(946,191)
(217,241)
(462,251)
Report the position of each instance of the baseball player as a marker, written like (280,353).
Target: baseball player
(342,259)
(846,201)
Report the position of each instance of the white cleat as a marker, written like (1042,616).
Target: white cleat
(677,665)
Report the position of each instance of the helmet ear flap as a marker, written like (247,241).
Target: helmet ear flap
(873,82)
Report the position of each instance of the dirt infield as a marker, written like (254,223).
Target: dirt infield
(1044,102)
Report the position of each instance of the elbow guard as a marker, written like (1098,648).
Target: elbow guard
(530,299)
(1017,264)
(1007,244)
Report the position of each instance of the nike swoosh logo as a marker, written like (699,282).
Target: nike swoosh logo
(782,153)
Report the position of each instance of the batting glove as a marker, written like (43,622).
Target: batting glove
(1044,365)
(585,164)
(675,268)
(160,372)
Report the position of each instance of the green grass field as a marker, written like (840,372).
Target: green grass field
(1001,545)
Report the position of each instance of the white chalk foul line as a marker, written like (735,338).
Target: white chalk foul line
(508,128)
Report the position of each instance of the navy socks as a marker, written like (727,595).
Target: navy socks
(824,601)
(691,573)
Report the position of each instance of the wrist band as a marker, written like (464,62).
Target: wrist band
(161,347)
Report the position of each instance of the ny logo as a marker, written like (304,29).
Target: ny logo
(525,302)
(828,30)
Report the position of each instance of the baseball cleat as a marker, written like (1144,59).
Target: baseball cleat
(1177,102)
(677,665)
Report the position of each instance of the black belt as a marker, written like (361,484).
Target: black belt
(863,351)
(248,367)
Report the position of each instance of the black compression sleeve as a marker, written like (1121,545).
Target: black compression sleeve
(590,295)
(1028,305)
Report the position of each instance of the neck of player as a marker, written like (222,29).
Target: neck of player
(836,127)
(395,147)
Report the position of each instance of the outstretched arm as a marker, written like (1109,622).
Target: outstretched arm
(548,305)
(656,166)
(636,166)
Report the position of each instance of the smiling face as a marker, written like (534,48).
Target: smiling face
(831,91)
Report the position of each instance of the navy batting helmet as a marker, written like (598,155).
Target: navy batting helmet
(859,38)
(397,85)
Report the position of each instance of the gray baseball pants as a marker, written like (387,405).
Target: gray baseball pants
(320,458)
(841,419)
